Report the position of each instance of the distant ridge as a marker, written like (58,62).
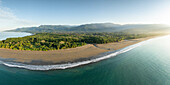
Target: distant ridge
(96,27)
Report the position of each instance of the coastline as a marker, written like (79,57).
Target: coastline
(14,35)
(84,55)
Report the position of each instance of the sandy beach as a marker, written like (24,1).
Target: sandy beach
(65,55)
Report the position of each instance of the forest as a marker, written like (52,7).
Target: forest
(56,41)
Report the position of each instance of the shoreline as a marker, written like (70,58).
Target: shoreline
(51,60)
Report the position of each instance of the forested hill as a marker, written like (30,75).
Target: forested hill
(97,27)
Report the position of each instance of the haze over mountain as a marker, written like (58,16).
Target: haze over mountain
(97,27)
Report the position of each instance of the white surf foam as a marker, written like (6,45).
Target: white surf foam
(70,65)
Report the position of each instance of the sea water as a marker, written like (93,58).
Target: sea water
(4,35)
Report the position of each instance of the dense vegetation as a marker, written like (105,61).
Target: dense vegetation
(55,41)
(97,27)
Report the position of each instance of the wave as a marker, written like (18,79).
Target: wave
(70,65)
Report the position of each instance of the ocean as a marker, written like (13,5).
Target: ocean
(148,63)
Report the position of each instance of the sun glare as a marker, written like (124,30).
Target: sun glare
(162,15)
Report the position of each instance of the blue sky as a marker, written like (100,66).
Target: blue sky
(24,13)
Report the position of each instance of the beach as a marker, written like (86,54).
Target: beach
(65,55)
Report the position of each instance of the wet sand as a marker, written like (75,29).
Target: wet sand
(65,55)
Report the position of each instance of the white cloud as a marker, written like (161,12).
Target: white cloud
(8,20)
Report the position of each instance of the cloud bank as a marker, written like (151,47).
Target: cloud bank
(8,20)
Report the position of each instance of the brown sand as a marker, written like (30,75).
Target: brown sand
(55,56)
(66,55)
(121,44)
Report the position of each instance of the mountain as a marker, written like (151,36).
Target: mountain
(147,28)
(43,28)
(97,27)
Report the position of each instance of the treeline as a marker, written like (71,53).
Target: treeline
(55,41)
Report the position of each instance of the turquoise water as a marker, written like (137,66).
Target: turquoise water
(148,64)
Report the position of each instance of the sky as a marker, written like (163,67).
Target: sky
(26,13)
